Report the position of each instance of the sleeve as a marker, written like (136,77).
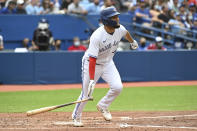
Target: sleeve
(93,49)
(92,64)
(123,30)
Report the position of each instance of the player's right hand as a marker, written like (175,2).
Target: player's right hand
(134,45)
(91,88)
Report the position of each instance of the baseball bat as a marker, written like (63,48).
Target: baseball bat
(49,108)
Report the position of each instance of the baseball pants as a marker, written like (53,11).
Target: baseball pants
(109,74)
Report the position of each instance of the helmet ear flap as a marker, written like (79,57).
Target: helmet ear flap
(104,20)
(108,22)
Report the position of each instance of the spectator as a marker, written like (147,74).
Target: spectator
(194,25)
(118,4)
(142,44)
(107,3)
(129,3)
(159,4)
(1,43)
(178,45)
(183,14)
(189,45)
(75,8)
(192,13)
(175,6)
(20,7)
(158,45)
(76,45)
(42,37)
(84,4)
(45,8)
(33,8)
(163,18)
(48,7)
(177,25)
(25,43)
(2,4)
(10,9)
(142,14)
(186,4)
(25,46)
(55,8)
(94,7)
(57,44)
(64,6)
(131,12)
(192,2)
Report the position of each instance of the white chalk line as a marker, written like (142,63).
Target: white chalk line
(157,117)
(63,123)
(129,118)
(59,128)
(125,125)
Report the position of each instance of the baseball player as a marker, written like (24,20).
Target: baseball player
(98,62)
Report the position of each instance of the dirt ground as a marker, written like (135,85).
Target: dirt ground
(93,121)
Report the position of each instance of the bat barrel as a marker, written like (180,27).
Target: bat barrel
(41,110)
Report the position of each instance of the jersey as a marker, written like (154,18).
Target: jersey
(104,45)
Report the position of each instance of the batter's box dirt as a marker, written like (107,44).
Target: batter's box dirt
(122,121)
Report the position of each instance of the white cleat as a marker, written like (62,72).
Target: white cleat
(77,123)
(105,112)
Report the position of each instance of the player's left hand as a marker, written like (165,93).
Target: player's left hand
(134,45)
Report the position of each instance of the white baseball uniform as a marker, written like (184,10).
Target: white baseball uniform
(102,47)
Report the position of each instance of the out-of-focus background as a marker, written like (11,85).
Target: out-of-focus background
(43,41)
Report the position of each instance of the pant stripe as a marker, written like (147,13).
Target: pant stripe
(82,75)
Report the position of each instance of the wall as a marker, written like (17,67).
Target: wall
(65,67)
(15,28)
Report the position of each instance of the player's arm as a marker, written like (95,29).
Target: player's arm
(93,53)
(129,37)
(92,65)
(134,44)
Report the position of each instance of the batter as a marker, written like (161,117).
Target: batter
(98,62)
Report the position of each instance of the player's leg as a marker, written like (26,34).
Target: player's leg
(112,77)
(84,93)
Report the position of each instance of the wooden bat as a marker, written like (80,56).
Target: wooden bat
(49,108)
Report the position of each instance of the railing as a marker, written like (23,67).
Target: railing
(188,36)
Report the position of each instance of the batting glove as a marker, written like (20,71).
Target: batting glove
(91,88)
(134,45)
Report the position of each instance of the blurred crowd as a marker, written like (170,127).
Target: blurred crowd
(179,15)
(150,10)
(176,16)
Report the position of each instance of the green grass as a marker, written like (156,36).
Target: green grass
(130,99)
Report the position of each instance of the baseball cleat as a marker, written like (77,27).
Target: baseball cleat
(105,112)
(77,123)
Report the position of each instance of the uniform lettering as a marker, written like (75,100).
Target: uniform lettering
(105,48)
(115,43)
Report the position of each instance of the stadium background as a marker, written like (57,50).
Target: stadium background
(54,67)
(150,108)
